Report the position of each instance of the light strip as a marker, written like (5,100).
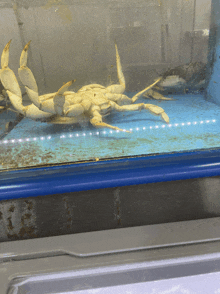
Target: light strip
(97,133)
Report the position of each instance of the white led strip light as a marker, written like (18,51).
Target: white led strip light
(4,142)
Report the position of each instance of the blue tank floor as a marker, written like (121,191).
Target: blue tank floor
(194,124)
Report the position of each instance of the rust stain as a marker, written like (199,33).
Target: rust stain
(29,231)
(10,226)
(24,217)
(26,229)
(12,236)
(29,204)
(27,216)
(11,209)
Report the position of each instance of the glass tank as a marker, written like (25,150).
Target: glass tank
(91,80)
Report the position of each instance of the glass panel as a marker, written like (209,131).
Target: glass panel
(105,79)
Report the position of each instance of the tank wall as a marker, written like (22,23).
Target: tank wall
(75,39)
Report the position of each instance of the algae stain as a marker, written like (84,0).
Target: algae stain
(61,9)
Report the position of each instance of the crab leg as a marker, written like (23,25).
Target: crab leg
(58,102)
(135,98)
(91,87)
(10,83)
(121,77)
(134,107)
(27,78)
(54,103)
(155,95)
(120,99)
(45,102)
(97,122)
(118,89)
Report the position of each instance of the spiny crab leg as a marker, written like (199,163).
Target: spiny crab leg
(10,83)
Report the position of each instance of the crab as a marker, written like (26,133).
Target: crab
(89,104)
(184,78)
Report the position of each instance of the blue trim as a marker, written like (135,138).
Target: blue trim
(107,174)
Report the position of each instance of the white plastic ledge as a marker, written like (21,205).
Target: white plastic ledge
(115,241)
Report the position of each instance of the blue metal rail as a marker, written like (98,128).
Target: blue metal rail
(107,174)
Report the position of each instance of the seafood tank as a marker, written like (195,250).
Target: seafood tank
(95,80)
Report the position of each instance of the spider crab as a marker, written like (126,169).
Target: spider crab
(89,104)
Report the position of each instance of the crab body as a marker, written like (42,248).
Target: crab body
(89,104)
(185,78)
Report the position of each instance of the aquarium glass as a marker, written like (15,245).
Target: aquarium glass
(90,80)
